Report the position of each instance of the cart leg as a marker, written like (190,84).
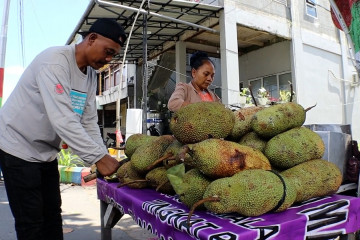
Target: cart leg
(105,231)
(350,236)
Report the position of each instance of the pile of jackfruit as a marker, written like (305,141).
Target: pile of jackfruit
(250,161)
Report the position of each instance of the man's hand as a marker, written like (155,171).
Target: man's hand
(107,165)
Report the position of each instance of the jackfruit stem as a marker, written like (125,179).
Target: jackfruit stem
(134,181)
(252,95)
(161,185)
(198,203)
(166,161)
(158,161)
(182,153)
(309,108)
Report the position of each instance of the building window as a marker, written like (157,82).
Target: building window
(273,84)
(256,84)
(310,8)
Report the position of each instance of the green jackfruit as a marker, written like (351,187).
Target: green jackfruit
(121,172)
(218,158)
(190,186)
(157,178)
(276,119)
(130,177)
(293,147)
(242,125)
(199,121)
(136,140)
(314,178)
(170,156)
(252,140)
(146,154)
(249,193)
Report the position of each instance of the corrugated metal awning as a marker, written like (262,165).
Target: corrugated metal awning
(167,22)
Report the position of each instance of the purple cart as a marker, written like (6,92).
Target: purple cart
(165,216)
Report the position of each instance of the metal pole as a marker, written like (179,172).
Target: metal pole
(3,38)
(100,2)
(145,75)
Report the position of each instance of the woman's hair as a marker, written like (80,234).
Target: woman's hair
(197,59)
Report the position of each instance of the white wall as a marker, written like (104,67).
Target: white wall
(265,61)
(320,80)
(318,86)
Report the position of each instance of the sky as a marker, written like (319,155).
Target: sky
(46,23)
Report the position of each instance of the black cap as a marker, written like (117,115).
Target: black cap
(110,29)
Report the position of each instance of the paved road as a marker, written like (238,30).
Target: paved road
(81,217)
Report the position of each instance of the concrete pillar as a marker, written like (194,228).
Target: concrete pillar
(296,49)
(180,59)
(229,55)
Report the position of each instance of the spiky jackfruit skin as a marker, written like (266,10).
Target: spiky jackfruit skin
(121,172)
(136,140)
(290,196)
(314,178)
(242,125)
(157,177)
(218,158)
(174,150)
(249,193)
(276,119)
(252,140)
(199,121)
(194,186)
(130,175)
(293,147)
(149,152)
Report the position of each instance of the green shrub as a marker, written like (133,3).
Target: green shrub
(67,158)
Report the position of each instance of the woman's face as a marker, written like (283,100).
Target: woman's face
(204,75)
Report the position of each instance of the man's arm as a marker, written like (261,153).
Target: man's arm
(63,119)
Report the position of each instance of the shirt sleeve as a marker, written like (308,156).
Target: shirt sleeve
(177,97)
(89,118)
(54,87)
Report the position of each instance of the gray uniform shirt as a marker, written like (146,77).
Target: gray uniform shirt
(53,100)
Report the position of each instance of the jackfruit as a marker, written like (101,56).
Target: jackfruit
(252,140)
(170,156)
(121,172)
(276,119)
(250,193)
(218,158)
(242,125)
(130,177)
(314,178)
(199,121)
(136,140)
(157,178)
(293,147)
(190,185)
(149,152)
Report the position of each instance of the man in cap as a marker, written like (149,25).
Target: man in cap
(54,100)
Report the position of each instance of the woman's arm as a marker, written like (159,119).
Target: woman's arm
(178,97)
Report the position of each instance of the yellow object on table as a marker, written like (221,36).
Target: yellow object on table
(118,154)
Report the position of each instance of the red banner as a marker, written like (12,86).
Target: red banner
(344,7)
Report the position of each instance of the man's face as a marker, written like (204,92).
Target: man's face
(102,50)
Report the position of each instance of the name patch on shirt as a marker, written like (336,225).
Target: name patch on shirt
(78,100)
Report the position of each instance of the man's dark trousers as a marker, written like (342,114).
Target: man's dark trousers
(34,197)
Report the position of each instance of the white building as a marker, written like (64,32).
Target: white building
(263,43)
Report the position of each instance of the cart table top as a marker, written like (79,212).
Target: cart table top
(166,216)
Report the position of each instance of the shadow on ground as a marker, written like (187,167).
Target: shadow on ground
(81,217)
